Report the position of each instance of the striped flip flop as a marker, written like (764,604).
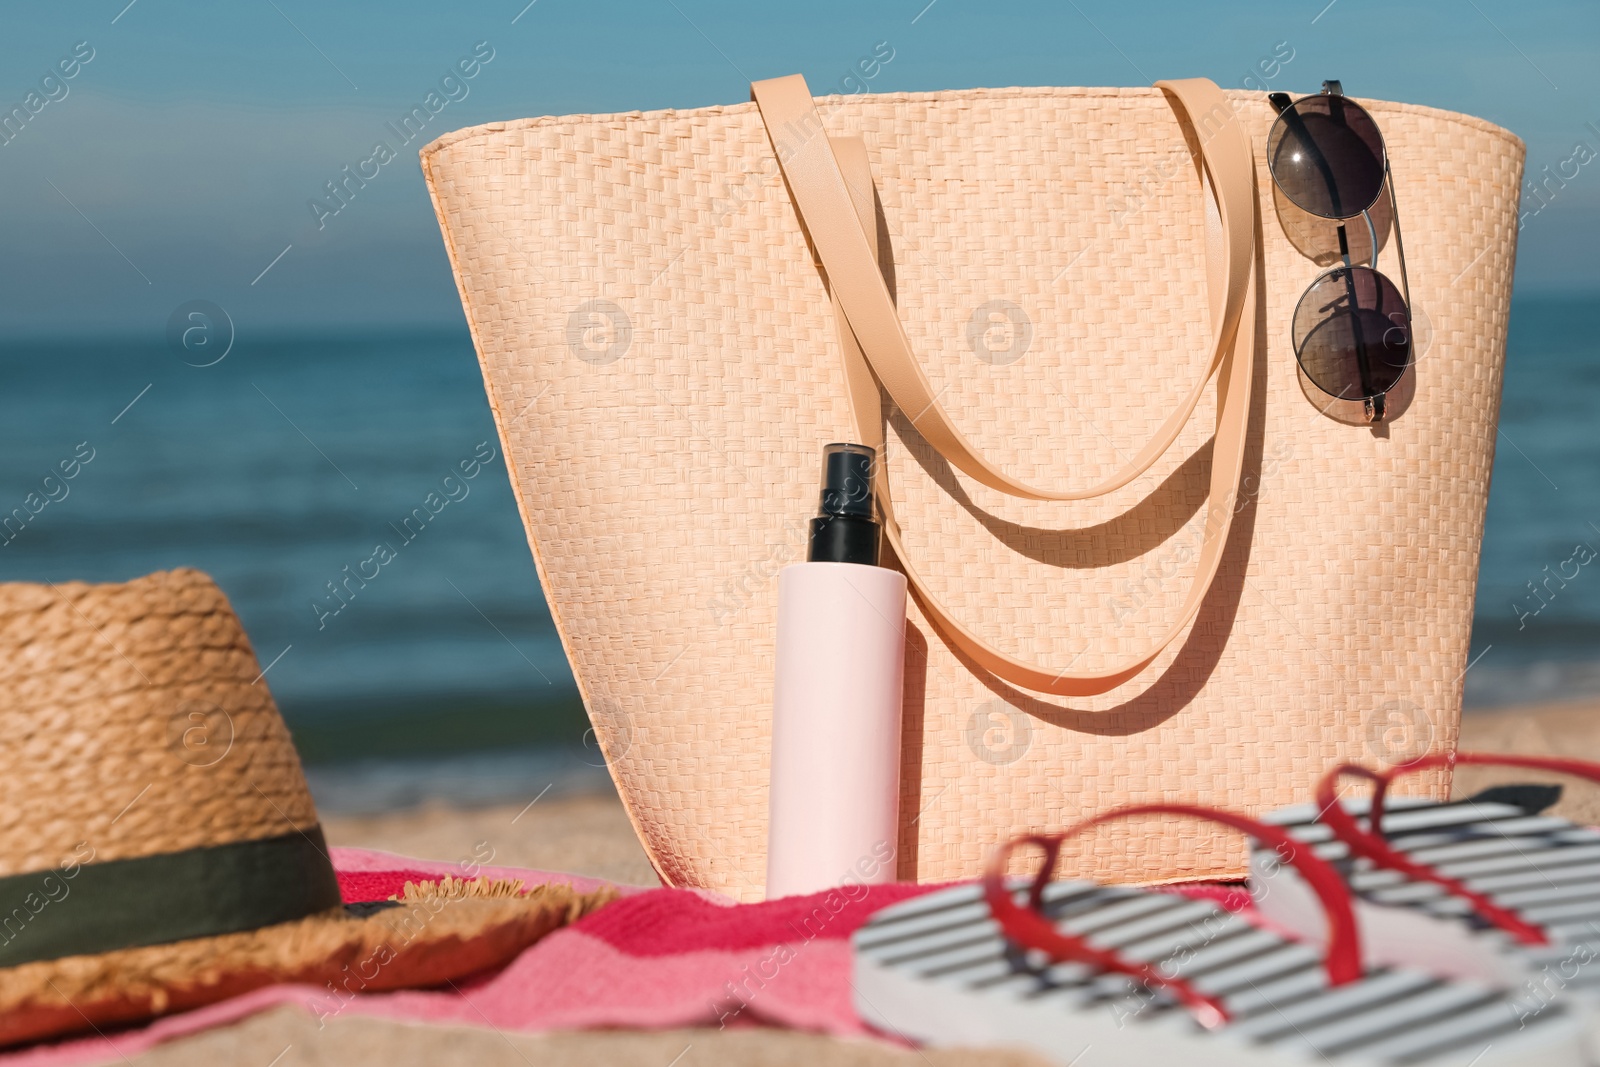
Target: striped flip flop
(1116,976)
(1486,888)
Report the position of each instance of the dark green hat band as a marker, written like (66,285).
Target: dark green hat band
(90,908)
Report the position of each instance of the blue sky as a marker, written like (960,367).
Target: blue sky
(178,162)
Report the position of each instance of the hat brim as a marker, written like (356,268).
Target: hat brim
(358,948)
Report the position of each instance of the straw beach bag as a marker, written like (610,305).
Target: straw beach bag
(1145,566)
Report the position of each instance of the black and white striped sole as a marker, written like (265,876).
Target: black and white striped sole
(1546,869)
(937,970)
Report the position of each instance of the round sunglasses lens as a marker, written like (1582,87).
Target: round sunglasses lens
(1326,154)
(1352,334)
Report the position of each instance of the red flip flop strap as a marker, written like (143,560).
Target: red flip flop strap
(1370,843)
(1028,928)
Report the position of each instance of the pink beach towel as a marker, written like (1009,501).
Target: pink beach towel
(657,958)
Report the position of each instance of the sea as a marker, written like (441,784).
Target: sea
(283,464)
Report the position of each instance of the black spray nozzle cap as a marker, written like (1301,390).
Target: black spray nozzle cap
(847,480)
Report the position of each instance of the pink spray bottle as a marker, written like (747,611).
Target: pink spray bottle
(834,803)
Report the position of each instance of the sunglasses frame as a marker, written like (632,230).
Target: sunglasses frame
(1374,403)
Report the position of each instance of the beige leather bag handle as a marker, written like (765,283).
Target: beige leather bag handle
(877,350)
(823,202)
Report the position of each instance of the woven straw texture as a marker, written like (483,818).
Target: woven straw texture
(663,364)
(137,722)
(426,943)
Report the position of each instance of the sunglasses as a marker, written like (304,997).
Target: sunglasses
(1352,326)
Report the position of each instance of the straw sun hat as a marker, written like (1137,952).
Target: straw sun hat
(158,847)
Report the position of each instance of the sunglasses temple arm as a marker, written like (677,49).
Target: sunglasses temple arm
(1399,245)
(1374,403)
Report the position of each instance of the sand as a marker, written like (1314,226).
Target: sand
(582,834)
(591,835)
(350,1041)
(1569,730)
